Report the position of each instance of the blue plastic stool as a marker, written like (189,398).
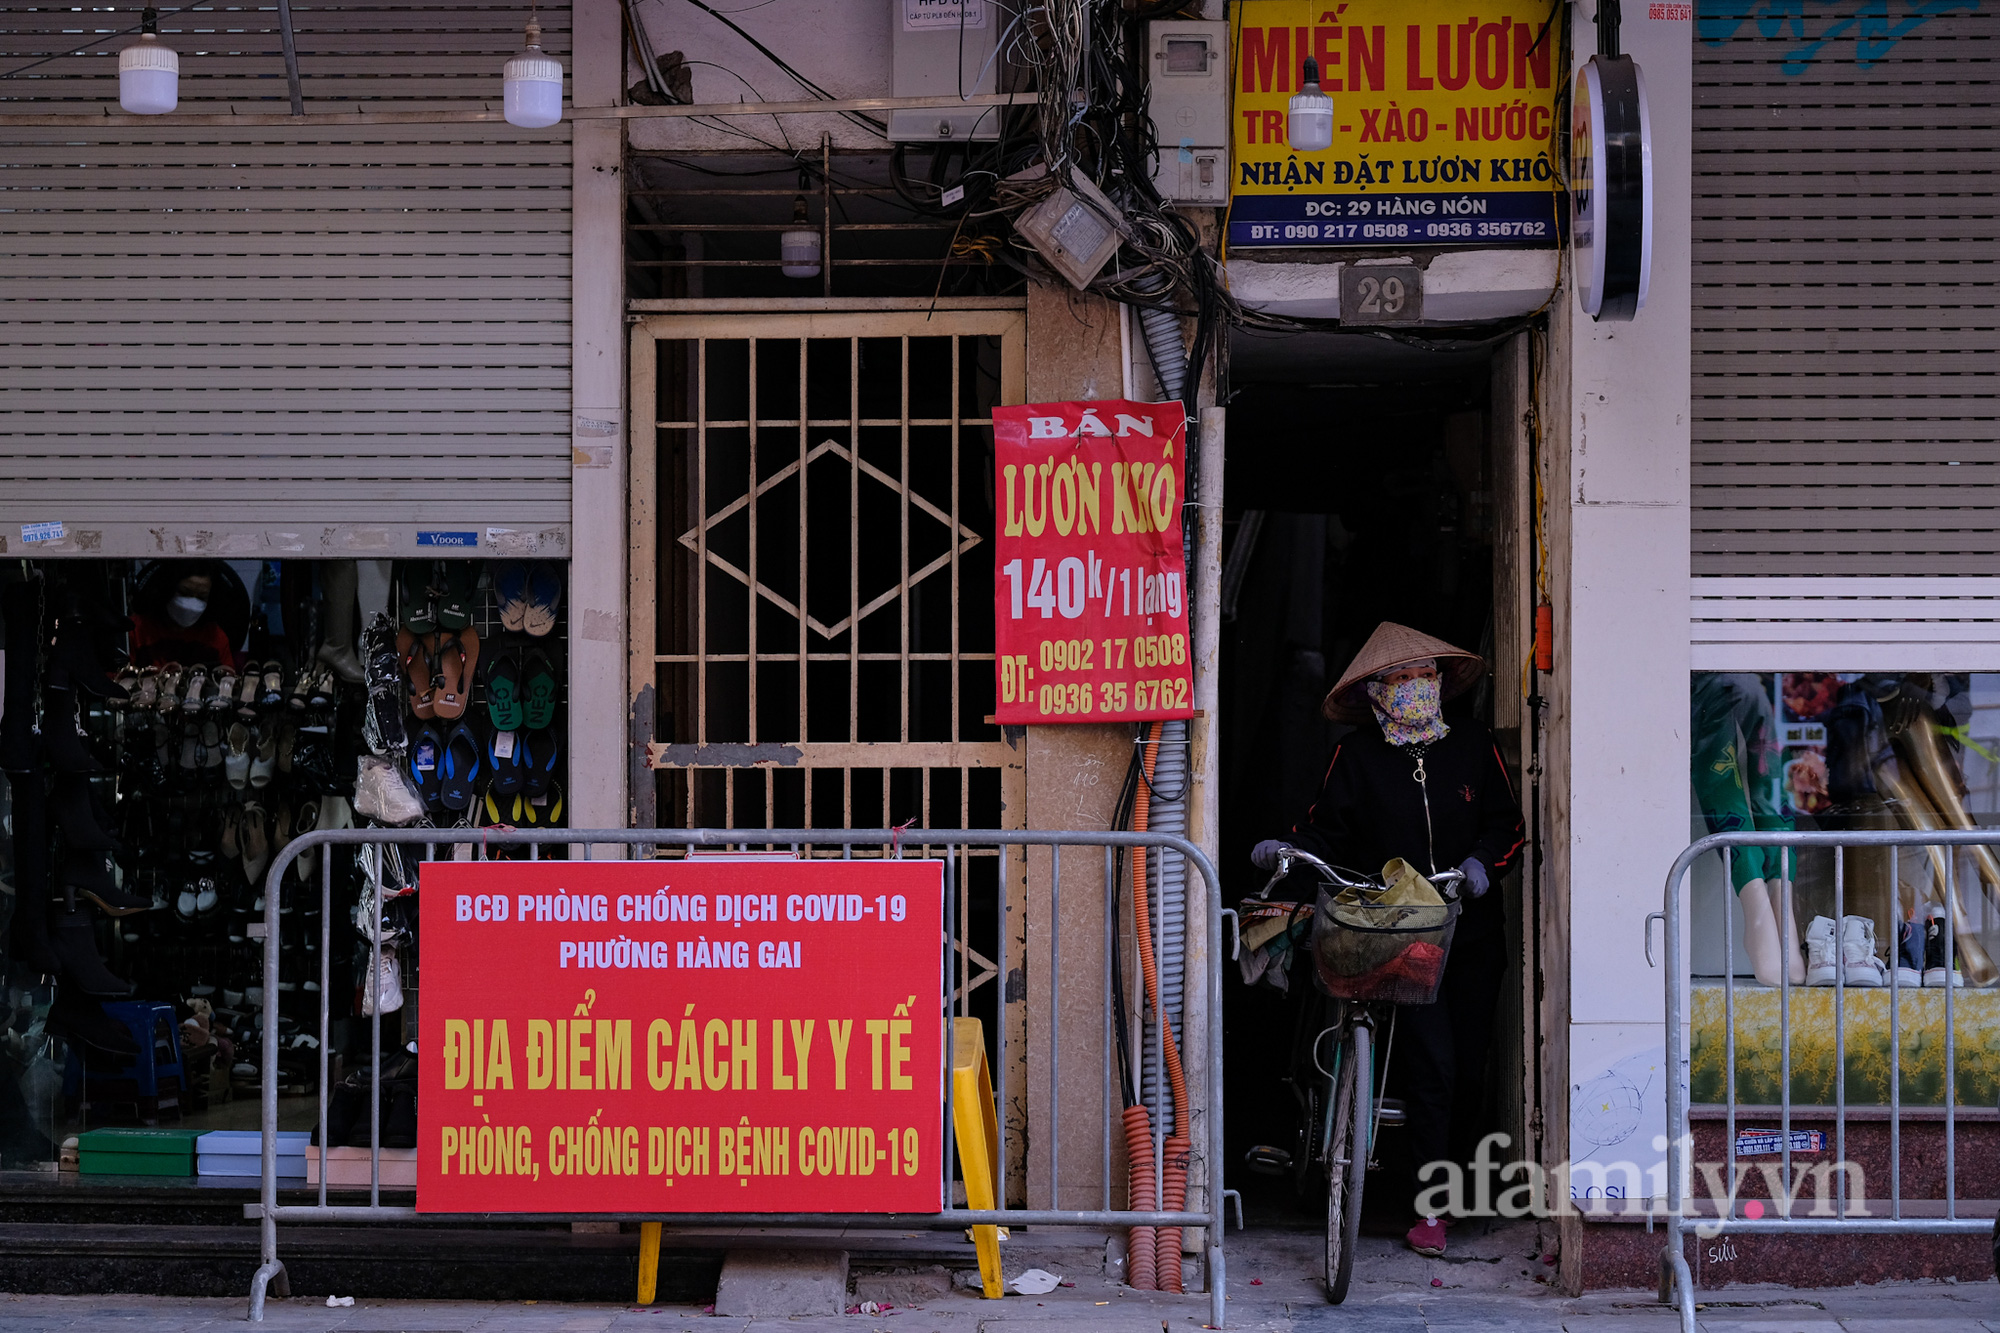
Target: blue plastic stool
(139,1078)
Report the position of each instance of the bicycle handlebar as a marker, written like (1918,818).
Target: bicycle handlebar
(1447,880)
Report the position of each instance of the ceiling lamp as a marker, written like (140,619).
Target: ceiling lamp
(149,73)
(532,83)
(1309,117)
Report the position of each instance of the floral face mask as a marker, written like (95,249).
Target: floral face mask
(1410,711)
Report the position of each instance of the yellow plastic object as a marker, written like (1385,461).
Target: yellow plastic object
(977,1132)
(649,1261)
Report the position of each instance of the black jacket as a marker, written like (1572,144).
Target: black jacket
(1371,809)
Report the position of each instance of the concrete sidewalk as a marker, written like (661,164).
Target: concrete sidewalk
(1491,1283)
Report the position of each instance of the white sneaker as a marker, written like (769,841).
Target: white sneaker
(1857,946)
(1819,952)
(1857,953)
(387,992)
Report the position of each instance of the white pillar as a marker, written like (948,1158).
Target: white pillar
(598,698)
(1622,638)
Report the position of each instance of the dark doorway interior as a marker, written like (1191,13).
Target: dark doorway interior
(1358,490)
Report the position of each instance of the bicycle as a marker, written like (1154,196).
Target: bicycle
(1367,958)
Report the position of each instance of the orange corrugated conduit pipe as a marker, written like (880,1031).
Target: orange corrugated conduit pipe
(1154,1255)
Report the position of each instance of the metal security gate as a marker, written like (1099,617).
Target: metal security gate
(274,340)
(1846,1200)
(1083,1097)
(812,636)
(1846,391)
(811,608)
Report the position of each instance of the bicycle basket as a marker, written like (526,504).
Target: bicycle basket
(1389,953)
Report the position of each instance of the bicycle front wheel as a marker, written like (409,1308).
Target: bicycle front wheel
(1347,1161)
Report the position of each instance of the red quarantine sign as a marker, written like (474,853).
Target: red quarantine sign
(719,1035)
(1090,589)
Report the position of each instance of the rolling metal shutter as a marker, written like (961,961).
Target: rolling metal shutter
(304,339)
(1846,382)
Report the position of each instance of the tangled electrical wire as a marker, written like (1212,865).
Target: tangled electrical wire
(1088,131)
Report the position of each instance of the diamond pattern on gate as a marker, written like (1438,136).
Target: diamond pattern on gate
(966,538)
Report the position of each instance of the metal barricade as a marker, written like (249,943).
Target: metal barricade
(955,845)
(1687,1216)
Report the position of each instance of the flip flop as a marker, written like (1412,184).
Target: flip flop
(499,811)
(504,755)
(460,770)
(460,663)
(540,687)
(541,757)
(543,811)
(510,595)
(416,664)
(502,682)
(426,763)
(461,591)
(414,598)
(545,589)
(448,661)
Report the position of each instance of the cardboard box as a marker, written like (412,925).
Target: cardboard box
(136,1152)
(240,1152)
(347,1168)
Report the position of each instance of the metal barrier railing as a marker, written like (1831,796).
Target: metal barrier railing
(955,846)
(1847,1214)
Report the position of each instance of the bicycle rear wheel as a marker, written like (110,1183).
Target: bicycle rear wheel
(1347,1161)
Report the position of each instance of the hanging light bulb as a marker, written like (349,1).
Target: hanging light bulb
(149,72)
(532,85)
(1309,119)
(799,249)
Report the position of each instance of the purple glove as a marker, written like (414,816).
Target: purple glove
(1265,854)
(1476,881)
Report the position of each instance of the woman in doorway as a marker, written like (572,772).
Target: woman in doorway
(1406,784)
(193,612)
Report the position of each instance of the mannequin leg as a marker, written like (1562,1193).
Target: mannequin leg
(338,580)
(372,582)
(1761,934)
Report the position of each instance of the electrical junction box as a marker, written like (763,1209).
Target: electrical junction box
(944,48)
(1188,76)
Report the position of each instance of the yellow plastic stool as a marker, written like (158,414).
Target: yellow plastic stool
(977,1132)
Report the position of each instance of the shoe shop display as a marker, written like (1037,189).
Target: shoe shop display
(1854,950)
(185,726)
(1909,954)
(79,1018)
(1939,971)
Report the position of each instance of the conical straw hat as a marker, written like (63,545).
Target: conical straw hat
(1391,646)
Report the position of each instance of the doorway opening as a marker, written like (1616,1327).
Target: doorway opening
(1367,480)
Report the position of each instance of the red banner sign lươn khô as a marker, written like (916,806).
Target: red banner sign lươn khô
(724,1035)
(1090,602)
